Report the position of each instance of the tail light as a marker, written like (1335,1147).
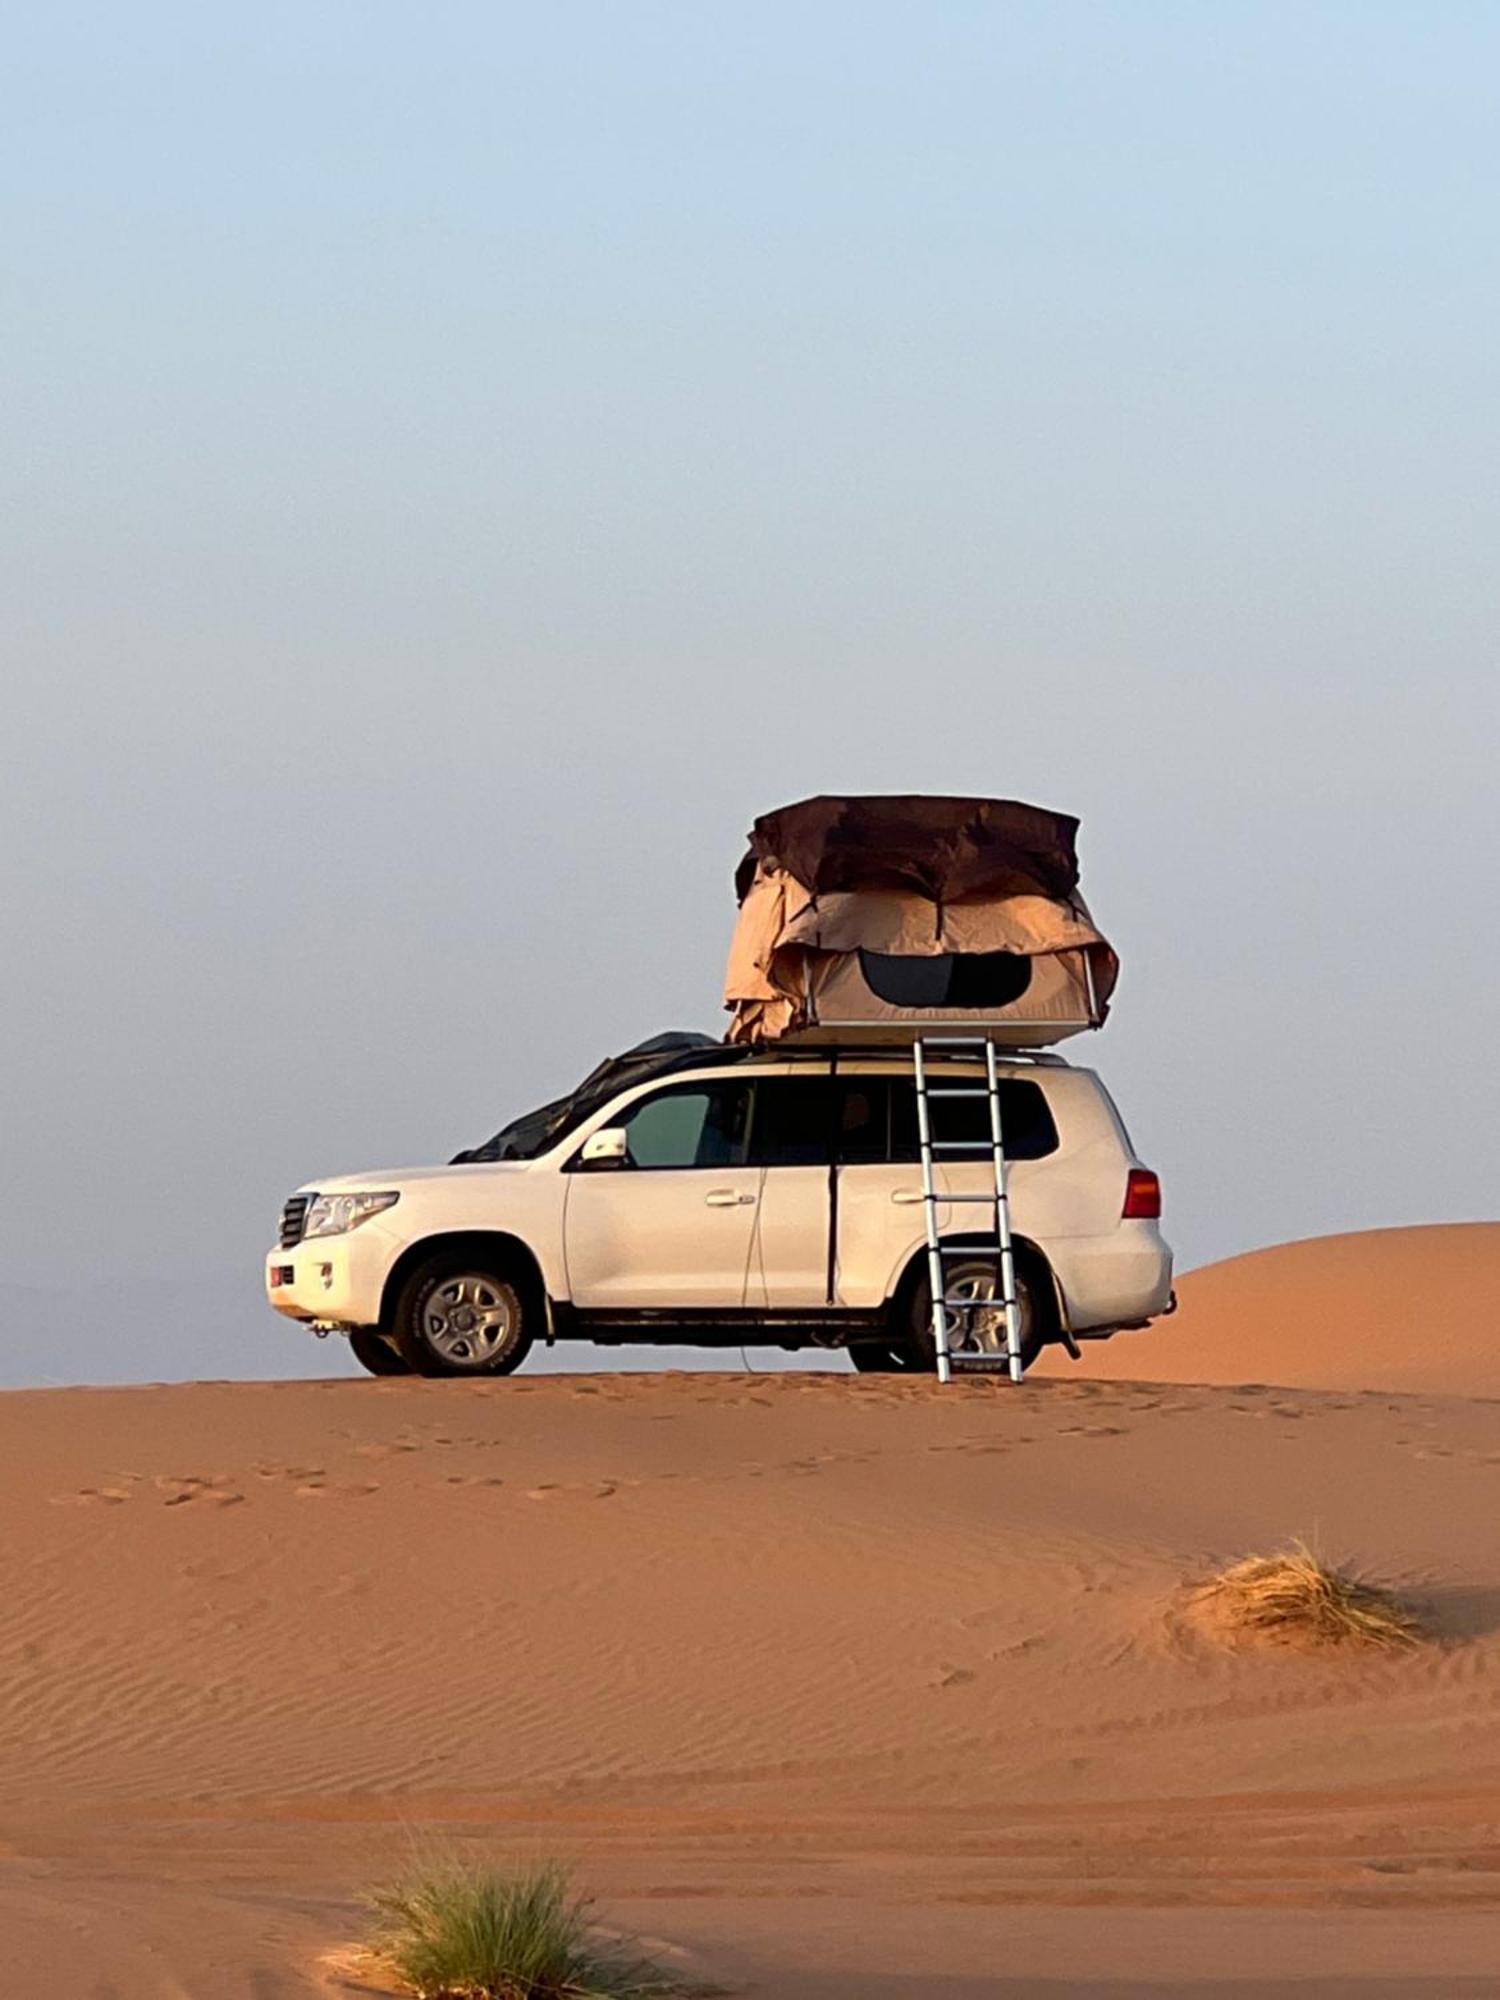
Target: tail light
(1142,1196)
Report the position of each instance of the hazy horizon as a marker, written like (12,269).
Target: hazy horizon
(463,468)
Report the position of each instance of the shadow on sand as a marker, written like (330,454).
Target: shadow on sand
(1458,1611)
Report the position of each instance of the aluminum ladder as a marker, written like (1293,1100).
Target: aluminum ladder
(946,1310)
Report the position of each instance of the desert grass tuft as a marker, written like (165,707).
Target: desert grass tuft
(1295,1598)
(449,1931)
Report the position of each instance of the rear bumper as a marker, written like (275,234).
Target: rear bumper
(1121,1279)
(336,1278)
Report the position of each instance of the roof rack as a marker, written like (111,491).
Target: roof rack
(896,1052)
(960,1034)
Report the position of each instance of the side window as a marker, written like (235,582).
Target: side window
(864,1120)
(791,1123)
(1025,1120)
(698,1125)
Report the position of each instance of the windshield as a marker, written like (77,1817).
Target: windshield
(536,1132)
(530,1135)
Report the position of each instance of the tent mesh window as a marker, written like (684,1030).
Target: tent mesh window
(950,979)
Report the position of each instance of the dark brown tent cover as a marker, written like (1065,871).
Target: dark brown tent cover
(939,848)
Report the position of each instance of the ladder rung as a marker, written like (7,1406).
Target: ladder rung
(957,1090)
(991,1199)
(977,1305)
(962,1145)
(981,1364)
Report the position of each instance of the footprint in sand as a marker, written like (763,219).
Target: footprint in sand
(600,1489)
(190,1487)
(347,1489)
(92,1496)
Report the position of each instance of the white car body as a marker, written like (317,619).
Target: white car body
(804,1253)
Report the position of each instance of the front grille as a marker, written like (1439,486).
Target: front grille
(293,1217)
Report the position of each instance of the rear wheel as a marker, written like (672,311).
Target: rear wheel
(459,1316)
(981,1329)
(374,1352)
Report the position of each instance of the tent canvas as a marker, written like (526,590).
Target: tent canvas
(883,918)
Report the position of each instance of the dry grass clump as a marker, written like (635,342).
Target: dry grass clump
(452,1932)
(1293,1598)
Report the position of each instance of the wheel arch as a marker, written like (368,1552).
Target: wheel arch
(1029,1256)
(512,1254)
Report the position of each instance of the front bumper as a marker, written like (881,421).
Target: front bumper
(338,1279)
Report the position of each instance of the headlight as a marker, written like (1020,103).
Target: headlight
(333,1214)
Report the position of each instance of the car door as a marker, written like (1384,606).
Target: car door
(791,1135)
(881,1223)
(670,1226)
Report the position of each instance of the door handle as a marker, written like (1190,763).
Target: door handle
(727,1198)
(907,1194)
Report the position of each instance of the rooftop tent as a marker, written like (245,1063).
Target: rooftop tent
(879,919)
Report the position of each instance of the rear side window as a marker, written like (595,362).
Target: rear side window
(1025,1118)
(698,1125)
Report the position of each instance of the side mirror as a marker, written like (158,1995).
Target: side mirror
(609,1147)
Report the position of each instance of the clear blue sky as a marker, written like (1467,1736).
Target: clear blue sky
(463,462)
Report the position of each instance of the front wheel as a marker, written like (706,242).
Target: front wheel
(458,1316)
(374,1352)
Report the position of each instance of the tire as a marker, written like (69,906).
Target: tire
(460,1314)
(868,1359)
(374,1352)
(976,1270)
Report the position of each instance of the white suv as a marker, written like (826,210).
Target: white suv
(695,1194)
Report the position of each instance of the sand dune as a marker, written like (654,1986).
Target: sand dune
(1383,1309)
(842,1689)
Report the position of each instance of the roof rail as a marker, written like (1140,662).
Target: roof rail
(971,1050)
